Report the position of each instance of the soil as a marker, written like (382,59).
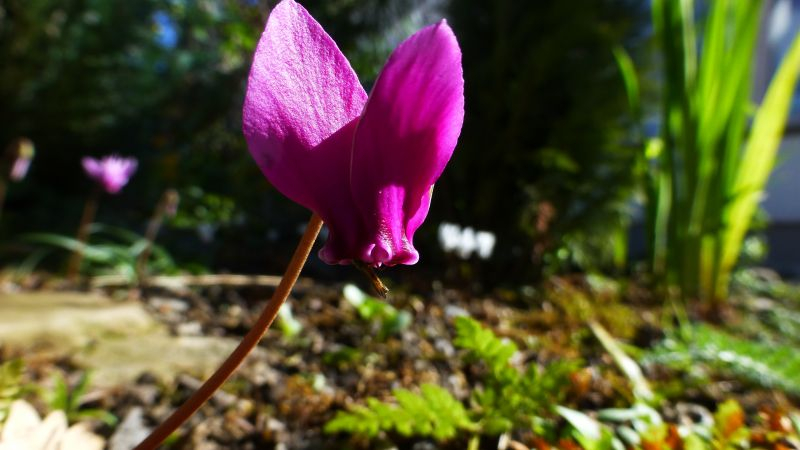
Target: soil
(285,393)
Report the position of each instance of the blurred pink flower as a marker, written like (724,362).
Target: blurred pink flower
(21,154)
(366,165)
(111,172)
(19,169)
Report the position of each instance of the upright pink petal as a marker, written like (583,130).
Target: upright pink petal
(112,172)
(129,169)
(92,167)
(303,100)
(404,139)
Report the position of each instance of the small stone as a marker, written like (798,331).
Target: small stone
(120,360)
(193,328)
(146,394)
(65,321)
(424,445)
(130,432)
(452,311)
(117,340)
(167,305)
(275,425)
(444,347)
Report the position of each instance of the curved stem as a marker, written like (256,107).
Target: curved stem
(168,202)
(89,212)
(180,415)
(3,189)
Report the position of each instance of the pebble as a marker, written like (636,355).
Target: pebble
(130,432)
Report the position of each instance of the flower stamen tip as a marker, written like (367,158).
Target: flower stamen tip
(377,284)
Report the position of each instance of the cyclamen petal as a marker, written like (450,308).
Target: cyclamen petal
(301,91)
(367,167)
(111,172)
(405,138)
(92,167)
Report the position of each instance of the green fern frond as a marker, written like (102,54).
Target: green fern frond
(523,400)
(434,412)
(768,364)
(549,385)
(508,397)
(484,345)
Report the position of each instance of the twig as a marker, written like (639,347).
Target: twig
(178,282)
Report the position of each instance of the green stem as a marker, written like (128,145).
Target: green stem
(474,442)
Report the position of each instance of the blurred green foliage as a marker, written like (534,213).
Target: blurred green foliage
(155,79)
(70,399)
(11,385)
(539,162)
(641,427)
(199,208)
(772,364)
(98,76)
(706,172)
(389,320)
(110,251)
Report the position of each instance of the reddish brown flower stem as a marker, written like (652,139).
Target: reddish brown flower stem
(249,342)
(167,203)
(89,212)
(3,188)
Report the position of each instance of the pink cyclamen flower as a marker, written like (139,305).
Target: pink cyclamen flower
(111,172)
(366,165)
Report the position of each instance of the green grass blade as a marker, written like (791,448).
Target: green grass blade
(641,388)
(759,155)
(117,232)
(714,42)
(90,252)
(630,79)
(725,71)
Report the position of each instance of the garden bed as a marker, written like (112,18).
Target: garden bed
(340,348)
